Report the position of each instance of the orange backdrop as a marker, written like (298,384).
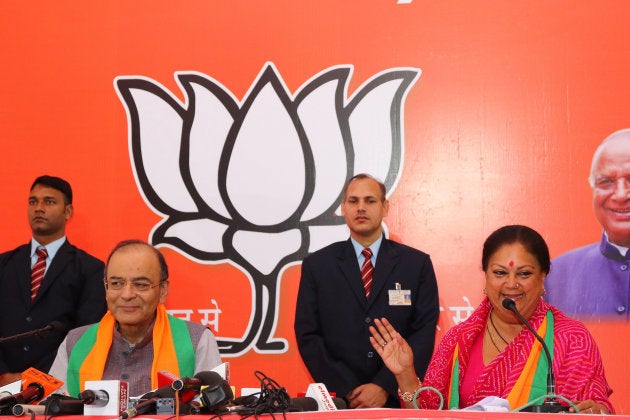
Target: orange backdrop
(499,128)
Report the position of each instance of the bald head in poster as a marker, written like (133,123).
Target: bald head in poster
(594,280)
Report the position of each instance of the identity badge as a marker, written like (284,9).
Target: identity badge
(399,297)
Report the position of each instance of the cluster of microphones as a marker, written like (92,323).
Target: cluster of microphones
(204,393)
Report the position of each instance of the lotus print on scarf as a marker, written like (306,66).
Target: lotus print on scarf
(258,183)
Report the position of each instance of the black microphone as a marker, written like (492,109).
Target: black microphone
(53,326)
(195,383)
(217,392)
(60,404)
(303,404)
(98,398)
(24,409)
(551,404)
(32,392)
(340,403)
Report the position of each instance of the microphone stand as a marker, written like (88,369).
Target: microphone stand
(551,403)
(39,331)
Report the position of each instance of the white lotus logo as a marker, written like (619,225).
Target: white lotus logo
(257,183)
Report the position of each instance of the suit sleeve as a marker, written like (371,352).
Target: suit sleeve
(92,304)
(322,366)
(420,329)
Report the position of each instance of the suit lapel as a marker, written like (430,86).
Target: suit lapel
(22,272)
(349,265)
(62,258)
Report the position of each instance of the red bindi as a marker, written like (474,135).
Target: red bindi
(511,263)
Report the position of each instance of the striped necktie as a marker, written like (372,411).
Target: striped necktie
(367,270)
(37,272)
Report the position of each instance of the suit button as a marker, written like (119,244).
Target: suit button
(124,376)
(370,354)
(624,267)
(621,309)
(29,318)
(367,320)
(27,348)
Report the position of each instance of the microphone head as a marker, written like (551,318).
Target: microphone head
(340,403)
(509,304)
(303,404)
(55,326)
(209,378)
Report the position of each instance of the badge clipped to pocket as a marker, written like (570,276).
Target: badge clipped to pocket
(399,297)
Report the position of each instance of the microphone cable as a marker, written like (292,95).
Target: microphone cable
(273,398)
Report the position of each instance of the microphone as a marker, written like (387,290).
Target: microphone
(53,326)
(195,383)
(340,403)
(216,393)
(320,394)
(61,404)
(303,404)
(50,383)
(98,398)
(551,404)
(33,392)
(24,409)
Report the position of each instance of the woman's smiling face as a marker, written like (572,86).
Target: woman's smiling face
(514,273)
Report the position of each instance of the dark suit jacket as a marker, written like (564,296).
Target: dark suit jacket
(333,315)
(72,293)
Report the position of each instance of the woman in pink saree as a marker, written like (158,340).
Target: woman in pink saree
(492,353)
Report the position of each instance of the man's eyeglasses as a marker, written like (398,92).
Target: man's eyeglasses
(138,286)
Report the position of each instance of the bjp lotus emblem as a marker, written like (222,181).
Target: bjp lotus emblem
(258,182)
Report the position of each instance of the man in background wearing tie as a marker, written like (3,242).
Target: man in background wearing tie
(46,280)
(346,285)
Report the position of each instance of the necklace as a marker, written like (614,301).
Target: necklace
(495,328)
(492,339)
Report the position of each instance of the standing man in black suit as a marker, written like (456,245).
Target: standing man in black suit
(71,291)
(342,291)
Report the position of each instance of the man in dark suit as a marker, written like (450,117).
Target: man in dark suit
(342,291)
(71,291)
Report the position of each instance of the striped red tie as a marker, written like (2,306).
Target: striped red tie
(37,272)
(367,270)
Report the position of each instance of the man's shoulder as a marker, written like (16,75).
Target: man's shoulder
(195,327)
(578,254)
(80,254)
(329,250)
(403,249)
(76,333)
(8,254)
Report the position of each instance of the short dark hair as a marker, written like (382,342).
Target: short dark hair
(365,176)
(526,236)
(56,183)
(158,254)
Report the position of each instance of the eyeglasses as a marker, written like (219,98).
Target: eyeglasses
(138,286)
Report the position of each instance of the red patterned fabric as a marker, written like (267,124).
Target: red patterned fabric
(577,362)
(367,271)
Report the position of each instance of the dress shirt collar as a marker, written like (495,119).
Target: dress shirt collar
(611,250)
(51,248)
(374,247)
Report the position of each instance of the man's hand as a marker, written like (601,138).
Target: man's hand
(367,396)
(9,377)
